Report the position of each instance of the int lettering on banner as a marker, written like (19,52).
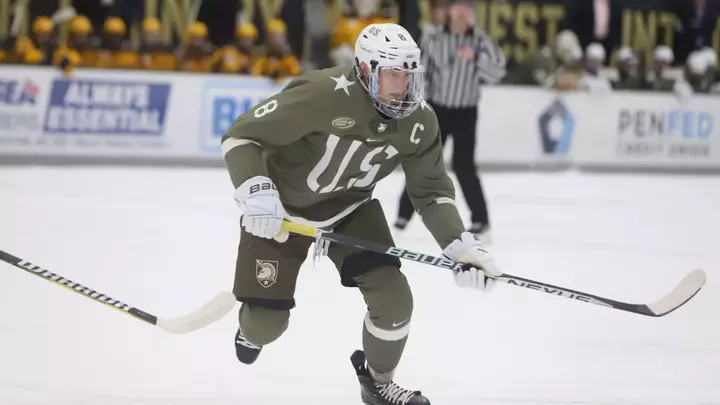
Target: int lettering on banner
(103,107)
(224,100)
(18,105)
(671,133)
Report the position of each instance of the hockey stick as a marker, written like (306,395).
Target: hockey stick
(207,314)
(682,293)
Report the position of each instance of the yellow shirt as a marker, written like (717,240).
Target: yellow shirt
(197,60)
(229,59)
(67,58)
(347,30)
(157,58)
(278,69)
(117,59)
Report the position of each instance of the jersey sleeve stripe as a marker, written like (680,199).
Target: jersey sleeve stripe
(444,200)
(232,143)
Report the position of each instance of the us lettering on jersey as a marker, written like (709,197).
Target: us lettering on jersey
(340,180)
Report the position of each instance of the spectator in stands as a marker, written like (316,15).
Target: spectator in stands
(657,78)
(114,51)
(592,79)
(67,59)
(568,75)
(278,61)
(43,42)
(196,55)
(358,15)
(247,36)
(540,69)
(17,49)
(627,68)
(594,59)
(438,15)
(153,53)
(241,56)
(712,65)
(695,72)
(79,48)
(384,12)
(39,47)
(438,18)
(7,46)
(33,56)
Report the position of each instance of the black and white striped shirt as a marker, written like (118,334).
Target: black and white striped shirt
(452,81)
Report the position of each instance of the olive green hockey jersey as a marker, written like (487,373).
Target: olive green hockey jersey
(325,146)
(537,70)
(626,81)
(657,81)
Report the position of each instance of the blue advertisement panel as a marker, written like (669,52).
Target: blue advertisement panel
(224,100)
(103,107)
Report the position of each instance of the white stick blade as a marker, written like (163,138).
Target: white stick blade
(211,312)
(688,287)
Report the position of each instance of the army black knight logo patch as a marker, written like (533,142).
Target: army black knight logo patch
(266,272)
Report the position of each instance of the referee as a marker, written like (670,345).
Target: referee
(458,58)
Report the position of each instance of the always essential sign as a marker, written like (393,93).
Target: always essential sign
(91,113)
(104,107)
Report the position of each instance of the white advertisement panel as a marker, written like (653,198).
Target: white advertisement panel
(525,126)
(23,97)
(121,114)
(160,115)
(90,113)
(648,130)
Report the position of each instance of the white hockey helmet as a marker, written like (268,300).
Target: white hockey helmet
(383,47)
(664,53)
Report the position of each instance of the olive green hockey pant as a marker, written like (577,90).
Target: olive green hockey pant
(267,271)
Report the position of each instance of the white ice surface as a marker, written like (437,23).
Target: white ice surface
(164,240)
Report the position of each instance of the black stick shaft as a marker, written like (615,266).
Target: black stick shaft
(506,278)
(77,288)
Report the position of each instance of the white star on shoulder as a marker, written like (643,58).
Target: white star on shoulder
(424,105)
(342,83)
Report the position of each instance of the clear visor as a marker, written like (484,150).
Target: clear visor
(397,91)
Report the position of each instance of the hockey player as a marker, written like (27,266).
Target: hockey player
(312,154)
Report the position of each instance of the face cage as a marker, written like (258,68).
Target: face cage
(397,109)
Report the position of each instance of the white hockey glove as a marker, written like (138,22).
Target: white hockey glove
(482,270)
(262,211)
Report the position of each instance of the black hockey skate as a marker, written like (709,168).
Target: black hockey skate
(246,351)
(376,393)
(401,223)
